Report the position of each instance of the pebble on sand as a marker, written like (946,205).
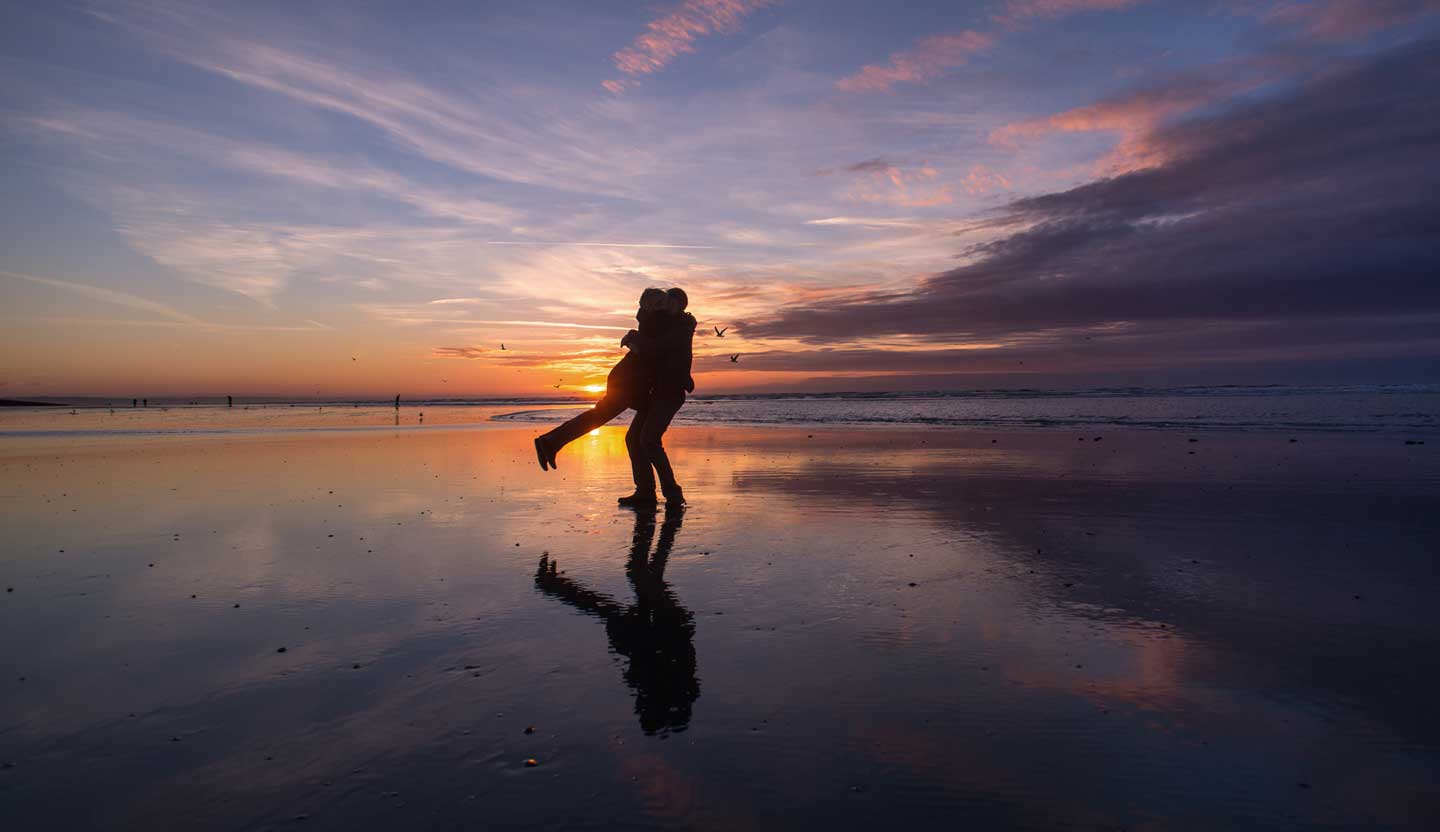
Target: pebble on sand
(280,650)
(531,762)
(529,729)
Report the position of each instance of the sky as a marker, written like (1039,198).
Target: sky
(365,198)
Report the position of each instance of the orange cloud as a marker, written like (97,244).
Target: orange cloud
(927,60)
(1134,117)
(674,34)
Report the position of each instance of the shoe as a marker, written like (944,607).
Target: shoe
(675,498)
(543,455)
(637,500)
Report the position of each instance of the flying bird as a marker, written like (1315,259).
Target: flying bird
(735,359)
(720,333)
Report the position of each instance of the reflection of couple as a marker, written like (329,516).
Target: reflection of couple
(655,634)
(652,378)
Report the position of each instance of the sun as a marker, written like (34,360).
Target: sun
(594,388)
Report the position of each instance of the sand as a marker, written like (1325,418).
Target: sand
(852,629)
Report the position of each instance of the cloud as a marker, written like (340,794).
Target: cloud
(1269,226)
(457,352)
(479,131)
(925,61)
(1134,116)
(170,316)
(880,180)
(1345,19)
(110,296)
(931,56)
(1016,12)
(868,222)
(674,34)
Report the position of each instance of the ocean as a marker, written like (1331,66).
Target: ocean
(1396,409)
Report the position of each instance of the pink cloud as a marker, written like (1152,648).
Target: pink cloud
(929,59)
(1133,116)
(878,180)
(674,34)
(982,180)
(1343,19)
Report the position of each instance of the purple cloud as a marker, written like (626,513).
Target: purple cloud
(1271,218)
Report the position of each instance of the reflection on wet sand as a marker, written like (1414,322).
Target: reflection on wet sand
(656,635)
(902,629)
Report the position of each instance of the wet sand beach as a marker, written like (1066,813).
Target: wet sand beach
(385,628)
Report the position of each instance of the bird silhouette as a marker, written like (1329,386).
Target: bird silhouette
(720,333)
(556,385)
(735,359)
(502,347)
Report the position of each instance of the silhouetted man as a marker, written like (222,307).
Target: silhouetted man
(644,441)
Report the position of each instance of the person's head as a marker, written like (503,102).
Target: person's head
(676,300)
(652,298)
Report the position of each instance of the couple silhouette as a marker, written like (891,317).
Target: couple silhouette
(653,379)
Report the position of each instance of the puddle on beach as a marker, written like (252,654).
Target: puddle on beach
(852,629)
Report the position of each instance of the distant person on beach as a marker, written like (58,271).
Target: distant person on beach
(663,331)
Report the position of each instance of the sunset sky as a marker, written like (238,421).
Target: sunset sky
(364,198)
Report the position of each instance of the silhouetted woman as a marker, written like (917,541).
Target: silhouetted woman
(627,386)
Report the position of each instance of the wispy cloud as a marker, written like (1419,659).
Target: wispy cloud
(1345,19)
(926,61)
(589,243)
(881,180)
(674,34)
(932,56)
(457,352)
(1016,12)
(1133,116)
(169,315)
(110,296)
(469,132)
(867,222)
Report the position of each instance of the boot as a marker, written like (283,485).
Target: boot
(545,453)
